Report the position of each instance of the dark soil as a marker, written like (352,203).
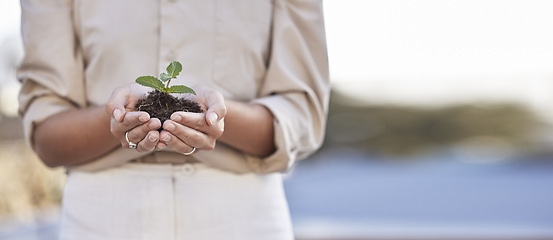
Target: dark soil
(160,105)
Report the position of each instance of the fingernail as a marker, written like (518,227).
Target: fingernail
(154,125)
(176,118)
(117,114)
(212,118)
(143,118)
(151,138)
(170,127)
(167,138)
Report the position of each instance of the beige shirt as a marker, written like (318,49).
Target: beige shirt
(271,52)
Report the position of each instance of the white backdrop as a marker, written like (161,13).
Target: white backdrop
(442,51)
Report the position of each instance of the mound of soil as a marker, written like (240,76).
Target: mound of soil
(160,105)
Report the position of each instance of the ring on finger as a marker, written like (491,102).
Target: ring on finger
(188,153)
(131,144)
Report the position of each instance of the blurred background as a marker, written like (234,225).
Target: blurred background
(440,127)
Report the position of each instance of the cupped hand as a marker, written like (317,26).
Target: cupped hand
(185,131)
(138,126)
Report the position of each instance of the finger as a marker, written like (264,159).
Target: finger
(138,133)
(187,135)
(161,145)
(212,117)
(175,143)
(189,119)
(130,121)
(115,106)
(149,142)
(215,113)
(118,114)
(216,107)
(197,122)
(123,99)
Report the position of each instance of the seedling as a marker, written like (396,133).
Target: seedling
(173,70)
(160,103)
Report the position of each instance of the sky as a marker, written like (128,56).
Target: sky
(9,28)
(439,37)
(430,52)
(442,51)
(9,16)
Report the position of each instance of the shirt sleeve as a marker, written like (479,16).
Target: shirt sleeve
(51,72)
(296,88)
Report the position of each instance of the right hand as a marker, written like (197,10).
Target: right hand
(141,129)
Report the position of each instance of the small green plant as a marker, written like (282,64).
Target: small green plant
(173,71)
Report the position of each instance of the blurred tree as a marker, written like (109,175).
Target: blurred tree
(409,130)
(11,53)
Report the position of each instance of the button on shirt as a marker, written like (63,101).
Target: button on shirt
(269,52)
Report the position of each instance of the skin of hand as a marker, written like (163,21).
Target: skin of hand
(185,130)
(249,128)
(140,127)
(182,132)
(245,126)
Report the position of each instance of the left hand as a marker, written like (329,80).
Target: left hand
(186,131)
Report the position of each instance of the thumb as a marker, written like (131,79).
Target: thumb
(216,111)
(118,114)
(212,118)
(116,103)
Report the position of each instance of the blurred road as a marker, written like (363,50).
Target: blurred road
(350,195)
(44,227)
(344,194)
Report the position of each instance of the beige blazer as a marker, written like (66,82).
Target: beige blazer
(270,52)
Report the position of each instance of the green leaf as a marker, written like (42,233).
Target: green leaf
(150,81)
(165,77)
(180,89)
(174,69)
